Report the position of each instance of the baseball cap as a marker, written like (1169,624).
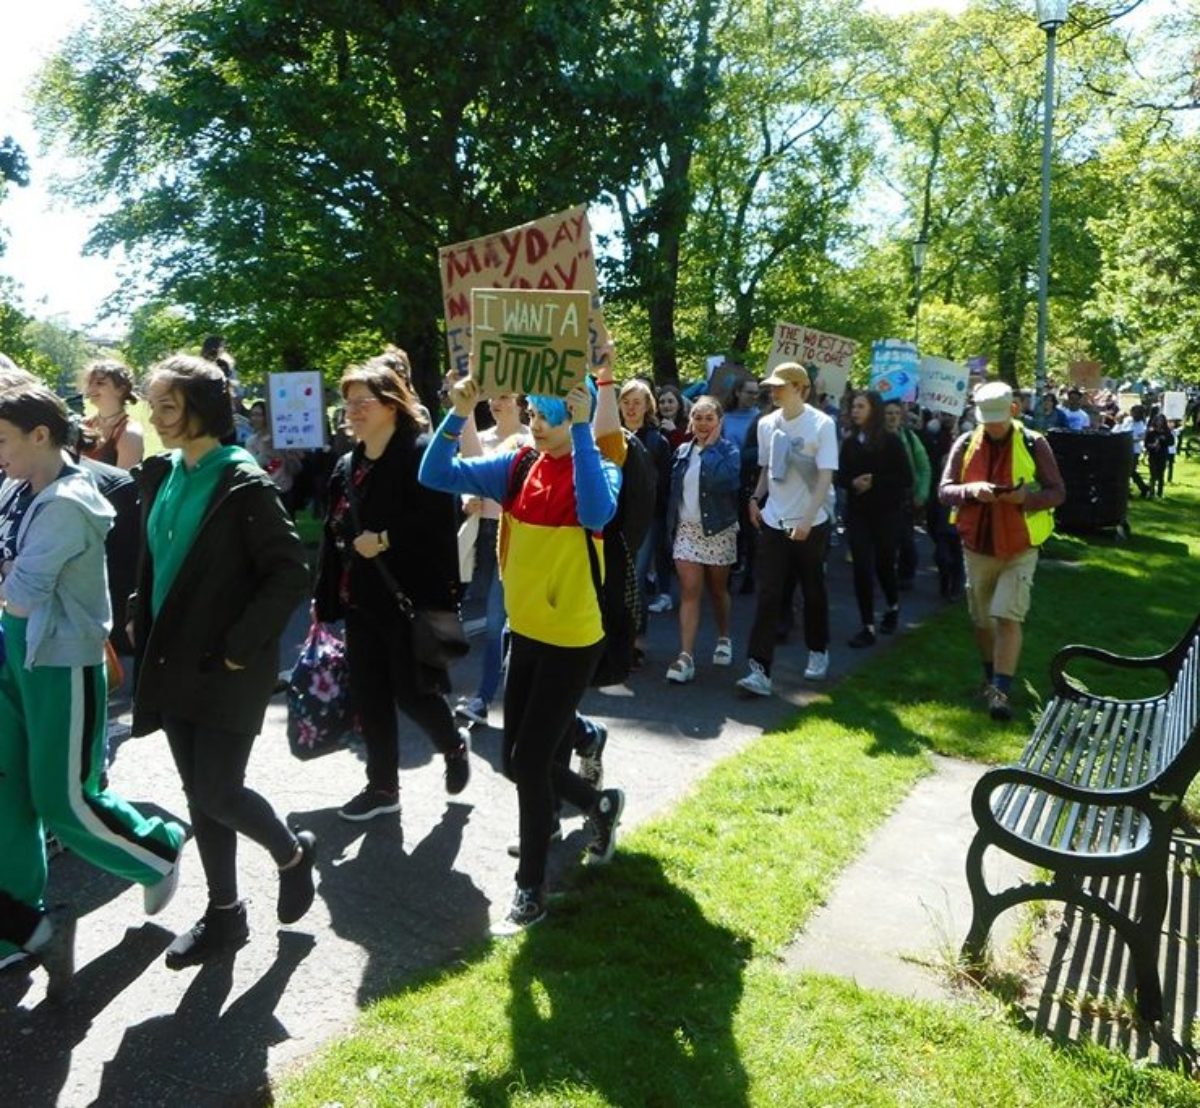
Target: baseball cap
(993,402)
(789,373)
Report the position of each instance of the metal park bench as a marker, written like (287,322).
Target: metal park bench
(1095,794)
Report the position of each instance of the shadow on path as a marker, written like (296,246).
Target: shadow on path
(662,992)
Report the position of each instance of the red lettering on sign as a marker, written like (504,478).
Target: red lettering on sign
(459,264)
(535,245)
(511,247)
(568,279)
(459,305)
(563,233)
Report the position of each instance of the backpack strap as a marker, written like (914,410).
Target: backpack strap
(597,582)
(522,464)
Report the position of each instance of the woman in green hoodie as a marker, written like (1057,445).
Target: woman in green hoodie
(222,570)
(53,718)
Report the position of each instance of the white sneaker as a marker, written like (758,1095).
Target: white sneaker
(756,681)
(474,708)
(157,896)
(723,654)
(661,603)
(682,670)
(818,665)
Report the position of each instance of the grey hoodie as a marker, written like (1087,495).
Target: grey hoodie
(58,574)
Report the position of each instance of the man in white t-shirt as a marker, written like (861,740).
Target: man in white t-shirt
(798,456)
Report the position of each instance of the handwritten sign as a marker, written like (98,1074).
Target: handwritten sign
(1086,375)
(297,408)
(1174,405)
(1127,401)
(944,385)
(831,354)
(895,369)
(529,341)
(554,252)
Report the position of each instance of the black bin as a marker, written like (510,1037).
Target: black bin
(1095,467)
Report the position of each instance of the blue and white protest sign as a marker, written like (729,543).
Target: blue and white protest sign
(944,385)
(895,370)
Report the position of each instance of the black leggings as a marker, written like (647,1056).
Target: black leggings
(545,686)
(873,540)
(212,766)
(18,921)
(384,675)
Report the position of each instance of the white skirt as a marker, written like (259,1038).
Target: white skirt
(693,545)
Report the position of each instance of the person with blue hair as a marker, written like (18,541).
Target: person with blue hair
(556,498)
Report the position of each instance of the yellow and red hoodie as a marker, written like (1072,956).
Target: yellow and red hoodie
(561,506)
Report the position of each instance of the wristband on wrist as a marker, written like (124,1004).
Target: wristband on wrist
(604,384)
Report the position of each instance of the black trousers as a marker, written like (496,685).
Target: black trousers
(18,921)
(545,686)
(1157,464)
(873,540)
(777,556)
(212,766)
(383,676)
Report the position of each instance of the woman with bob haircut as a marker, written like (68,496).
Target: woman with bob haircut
(222,570)
(53,721)
(115,439)
(378,509)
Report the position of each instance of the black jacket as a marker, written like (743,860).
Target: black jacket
(892,480)
(235,592)
(421,526)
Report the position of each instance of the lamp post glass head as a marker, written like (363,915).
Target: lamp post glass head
(919,249)
(1052,14)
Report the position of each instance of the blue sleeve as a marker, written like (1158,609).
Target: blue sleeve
(597,481)
(442,468)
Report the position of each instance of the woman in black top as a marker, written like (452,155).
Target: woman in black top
(1159,441)
(413,529)
(874,470)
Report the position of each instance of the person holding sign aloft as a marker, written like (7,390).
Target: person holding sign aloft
(556,498)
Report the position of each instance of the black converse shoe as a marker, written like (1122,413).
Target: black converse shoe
(219,929)
(528,907)
(591,758)
(604,819)
(296,889)
(458,765)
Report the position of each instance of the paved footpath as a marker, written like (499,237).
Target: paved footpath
(389,901)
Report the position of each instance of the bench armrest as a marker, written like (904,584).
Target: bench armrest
(1151,804)
(1064,686)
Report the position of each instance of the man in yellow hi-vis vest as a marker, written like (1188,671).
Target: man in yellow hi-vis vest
(1003,483)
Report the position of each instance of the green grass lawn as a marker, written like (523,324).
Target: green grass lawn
(658,981)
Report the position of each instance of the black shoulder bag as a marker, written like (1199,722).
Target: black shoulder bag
(438,637)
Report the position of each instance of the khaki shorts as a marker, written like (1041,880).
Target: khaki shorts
(999,588)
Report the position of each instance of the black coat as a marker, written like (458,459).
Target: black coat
(892,480)
(421,526)
(237,588)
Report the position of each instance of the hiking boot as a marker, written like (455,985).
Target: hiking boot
(370,803)
(604,819)
(296,888)
(591,759)
(458,764)
(865,637)
(818,665)
(475,709)
(682,670)
(528,907)
(998,706)
(56,952)
(218,930)
(514,845)
(890,621)
(157,896)
(756,681)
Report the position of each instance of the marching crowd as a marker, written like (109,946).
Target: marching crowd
(582,516)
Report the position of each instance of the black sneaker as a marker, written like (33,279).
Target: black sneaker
(370,803)
(218,930)
(296,889)
(528,907)
(458,765)
(865,637)
(591,758)
(514,845)
(998,706)
(57,954)
(604,819)
(890,621)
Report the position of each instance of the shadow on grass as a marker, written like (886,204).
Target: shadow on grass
(646,1018)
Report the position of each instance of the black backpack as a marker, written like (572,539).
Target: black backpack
(618,595)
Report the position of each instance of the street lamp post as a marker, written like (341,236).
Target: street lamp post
(1051,14)
(919,249)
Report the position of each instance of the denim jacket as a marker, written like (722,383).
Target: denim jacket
(720,479)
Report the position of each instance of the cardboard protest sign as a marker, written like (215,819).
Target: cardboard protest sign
(1174,405)
(1127,401)
(831,354)
(895,369)
(297,407)
(1086,375)
(944,385)
(529,340)
(554,252)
